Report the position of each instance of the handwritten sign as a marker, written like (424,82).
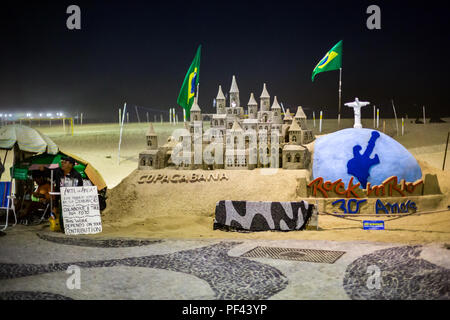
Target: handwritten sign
(81,210)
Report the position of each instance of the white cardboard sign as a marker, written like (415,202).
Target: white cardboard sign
(81,210)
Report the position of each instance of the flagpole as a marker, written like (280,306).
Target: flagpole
(340,97)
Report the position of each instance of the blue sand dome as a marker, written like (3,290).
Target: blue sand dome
(367,155)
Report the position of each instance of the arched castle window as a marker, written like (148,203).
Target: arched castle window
(150,162)
(216,123)
(288,157)
(297,158)
(265,117)
(149,142)
(235,111)
(221,122)
(143,162)
(235,141)
(251,110)
(294,138)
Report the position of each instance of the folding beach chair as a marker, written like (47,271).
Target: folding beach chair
(7,201)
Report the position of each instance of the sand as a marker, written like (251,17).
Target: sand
(98,144)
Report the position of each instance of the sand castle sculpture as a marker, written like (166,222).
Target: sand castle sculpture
(234,125)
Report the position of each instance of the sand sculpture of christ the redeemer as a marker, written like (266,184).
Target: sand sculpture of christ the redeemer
(356,105)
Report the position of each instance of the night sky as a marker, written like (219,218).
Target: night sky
(139,51)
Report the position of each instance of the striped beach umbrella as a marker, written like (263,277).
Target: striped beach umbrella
(27,139)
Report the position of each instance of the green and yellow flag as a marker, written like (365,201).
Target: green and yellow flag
(189,87)
(331,61)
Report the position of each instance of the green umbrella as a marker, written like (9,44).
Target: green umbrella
(50,161)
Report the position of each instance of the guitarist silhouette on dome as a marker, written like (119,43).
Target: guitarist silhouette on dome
(360,165)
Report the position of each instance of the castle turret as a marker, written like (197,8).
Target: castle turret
(196,112)
(300,118)
(152,138)
(252,107)
(287,117)
(295,133)
(234,94)
(220,102)
(265,99)
(276,109)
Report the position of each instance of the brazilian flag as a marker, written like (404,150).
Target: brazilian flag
(331,61)
(189,87)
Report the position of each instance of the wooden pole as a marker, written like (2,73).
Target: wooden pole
(424,119)
(378,118)
(320,122)
(445,154)
(395,115)
(374,116)
(340,97)
(384,126)
(403,126)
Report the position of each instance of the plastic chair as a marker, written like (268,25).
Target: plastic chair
(7,201)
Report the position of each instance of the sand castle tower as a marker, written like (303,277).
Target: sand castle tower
(220,102)
(152,138)
(252,107)
(300,118)
(234,94)
(265,99)
(276,109)
(287,117)
(196,112)
(295,133)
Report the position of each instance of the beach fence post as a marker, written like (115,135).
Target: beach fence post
(161,118)
(320,122)
(314,119)
(154,118)
(424,119)
(170,116)
(128,117)
(64,124)
(378,118)
(374,116)
(445,153)
(174,117)
(137,114)
(395,115)
(384,126)
(403,126)
(81,123)
(120,116)
(147,116)
(121,129)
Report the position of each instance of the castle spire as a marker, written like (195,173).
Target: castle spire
(220,94)
(195,106)
(234,87)
(264,93)
(275,104)
(252,101)
(151,131)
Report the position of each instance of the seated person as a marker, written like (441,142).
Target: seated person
(41,195)
(65,176)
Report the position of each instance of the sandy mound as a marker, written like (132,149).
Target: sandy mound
(142,209)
